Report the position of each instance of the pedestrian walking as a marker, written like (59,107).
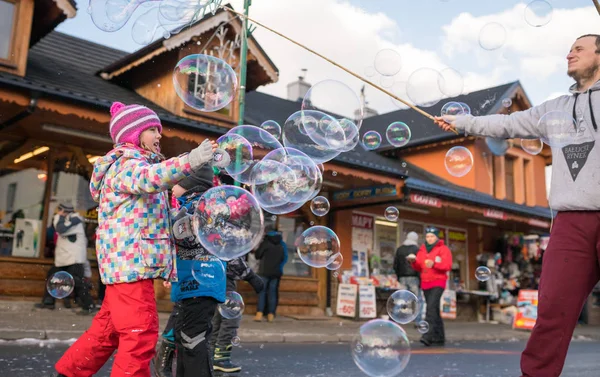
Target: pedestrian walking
(272,254)
(407,276)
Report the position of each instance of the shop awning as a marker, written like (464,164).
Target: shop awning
(472,196)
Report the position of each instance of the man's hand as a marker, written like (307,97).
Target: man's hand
(446,123)
(428,263)
(411,258)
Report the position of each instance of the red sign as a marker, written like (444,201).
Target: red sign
(362,221)
(494,214)
(527,304)
(538,223)
(425,200)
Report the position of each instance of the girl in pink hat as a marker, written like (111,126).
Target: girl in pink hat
(133,243)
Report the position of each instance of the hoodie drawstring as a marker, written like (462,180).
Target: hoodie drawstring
(590,106)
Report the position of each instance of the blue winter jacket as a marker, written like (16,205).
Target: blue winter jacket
(192,256)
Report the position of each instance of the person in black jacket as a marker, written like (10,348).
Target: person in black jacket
(407,276)
(273,255)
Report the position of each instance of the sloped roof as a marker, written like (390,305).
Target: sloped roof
(423,130)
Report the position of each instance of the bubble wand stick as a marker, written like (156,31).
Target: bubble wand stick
(597,5)
(424,113)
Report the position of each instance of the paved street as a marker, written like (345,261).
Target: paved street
(466,359)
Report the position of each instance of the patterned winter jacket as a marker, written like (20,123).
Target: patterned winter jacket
(133,240)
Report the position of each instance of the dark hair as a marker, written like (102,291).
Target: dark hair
(597,36)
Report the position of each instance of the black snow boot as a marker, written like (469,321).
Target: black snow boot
(163,360)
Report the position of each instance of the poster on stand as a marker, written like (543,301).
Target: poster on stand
(26,241)
(448,304)
(527,303)
(346,300)
(367,305)
(362,244)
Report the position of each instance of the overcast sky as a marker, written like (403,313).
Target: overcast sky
(427,33)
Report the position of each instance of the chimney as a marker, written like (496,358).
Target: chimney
(298,89)
(367,111)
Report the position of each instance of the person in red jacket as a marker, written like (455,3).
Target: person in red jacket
(433,261)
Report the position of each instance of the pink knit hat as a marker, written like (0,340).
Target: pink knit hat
(128,122)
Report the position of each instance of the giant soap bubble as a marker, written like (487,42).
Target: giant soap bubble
(228,222)
(318,246)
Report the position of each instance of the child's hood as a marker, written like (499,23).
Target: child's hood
(103,164)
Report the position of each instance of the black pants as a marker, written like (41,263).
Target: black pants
(224,329)
(432,316)
(193,329)
(81,288)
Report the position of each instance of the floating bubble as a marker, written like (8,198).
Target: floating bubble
(381,348)
(492,36)
(423,87)
(388,62)
(294,135)
(272,127)
(261,142)
(239,151)
(111,15)
(235,341)
(228,222)
(398,134)
(466,108)
(458,161)
(391,213)
(386,81)
(60,284)
(209,271)
(532,146)
(336,263)
(233,307)
(335,99)
(321,167)
(559,129)
(318,246)
(370,71)
(336,274)
(482,273)
(451,110)
(319,206)
(423,327)
(284,180)
(403,306)
(204,82)
(371,140)
(498,147)
(451,82)
(507,102)
(538,13)
(334,173)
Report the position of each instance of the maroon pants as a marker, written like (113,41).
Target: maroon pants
(570,270)
(127,321)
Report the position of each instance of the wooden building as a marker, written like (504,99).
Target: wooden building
(55,94)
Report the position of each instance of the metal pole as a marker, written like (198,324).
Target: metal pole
(243,70)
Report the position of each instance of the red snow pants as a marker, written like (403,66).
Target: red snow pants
(127,322)
(570,270)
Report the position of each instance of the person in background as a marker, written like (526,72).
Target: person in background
(407,276)
(272,254)
(433,261)
(69,256)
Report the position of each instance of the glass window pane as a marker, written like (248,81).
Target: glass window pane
(7,11)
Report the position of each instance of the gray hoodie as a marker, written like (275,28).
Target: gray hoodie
(575,167)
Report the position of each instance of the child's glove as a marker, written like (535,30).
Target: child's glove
(182,228)
(201,154)
(256,282)
(220,159)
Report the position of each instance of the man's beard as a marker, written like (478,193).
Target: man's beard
(585,75)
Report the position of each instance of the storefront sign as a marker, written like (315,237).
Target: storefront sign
(425,200)
(366,301)
(448,304)
(346,300)
(365,193)
(362,221)
(538,223)
(26,241)
(526,316)
(494,214)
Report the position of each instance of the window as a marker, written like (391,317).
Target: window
(7,22)
(510,178)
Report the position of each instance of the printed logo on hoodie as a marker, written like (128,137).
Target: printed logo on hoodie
(576,156)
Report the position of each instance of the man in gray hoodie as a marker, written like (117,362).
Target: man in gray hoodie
(570,268)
